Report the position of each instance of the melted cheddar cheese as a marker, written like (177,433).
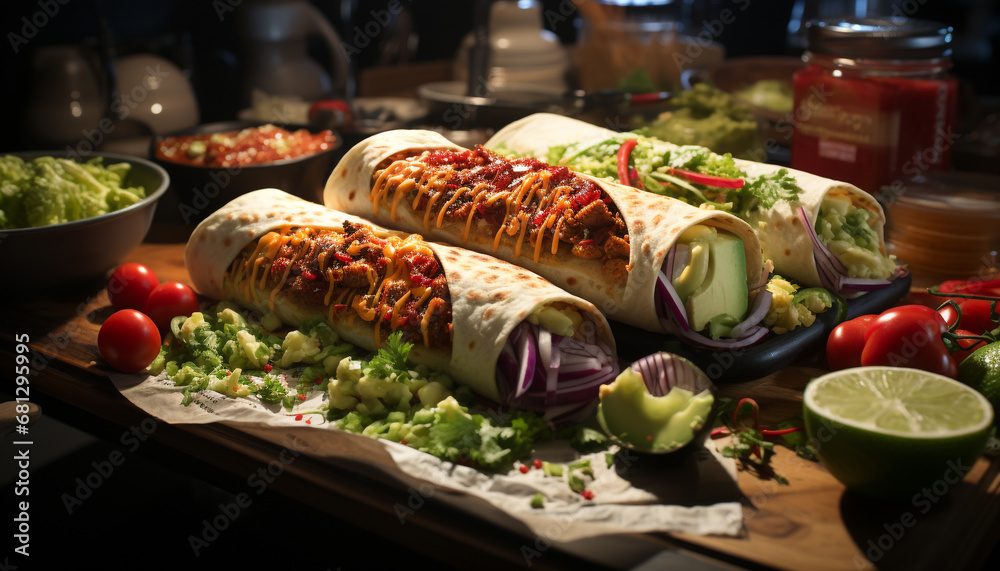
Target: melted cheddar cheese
(393,283)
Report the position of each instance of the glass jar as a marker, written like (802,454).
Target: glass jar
(875,103)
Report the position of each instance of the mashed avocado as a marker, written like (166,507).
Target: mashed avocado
(771,94)
(845,230)
(634,417)
(708,117)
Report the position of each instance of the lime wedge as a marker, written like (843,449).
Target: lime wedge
(894,433)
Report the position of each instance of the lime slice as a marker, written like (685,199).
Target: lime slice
(894,433)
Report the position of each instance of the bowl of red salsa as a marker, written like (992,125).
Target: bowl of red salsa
(211,164)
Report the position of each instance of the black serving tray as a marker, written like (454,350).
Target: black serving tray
(775,352)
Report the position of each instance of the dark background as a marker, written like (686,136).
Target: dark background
(207,47)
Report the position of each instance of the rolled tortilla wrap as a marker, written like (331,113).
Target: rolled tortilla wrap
(783,237)
(652,224)
(271,251)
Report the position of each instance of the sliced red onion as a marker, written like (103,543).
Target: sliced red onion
(758,311)
(819,248)
(663,371)
(552,370)
(527,351)
(668,300)
(832,272)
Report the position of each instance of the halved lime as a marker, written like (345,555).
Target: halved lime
(895,433)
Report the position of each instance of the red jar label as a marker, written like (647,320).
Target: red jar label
(871,131)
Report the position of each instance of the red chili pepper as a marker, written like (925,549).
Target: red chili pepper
(343,257)
(268,367)
(974,286)
(308,275)
(387,315)
(586,243)
(309,421)
(781,432)
(298,417)
(708,180)
(624,152)
(754,414)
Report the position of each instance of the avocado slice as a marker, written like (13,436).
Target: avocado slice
(695,272)
(638,420)
(724,289)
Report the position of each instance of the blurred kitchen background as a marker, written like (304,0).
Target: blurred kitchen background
(226,59)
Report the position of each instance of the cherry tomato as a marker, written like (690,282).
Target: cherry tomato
(846,341)
(169,300)
(965,346)
(976,316)
(129,286)
(128,341)
(909,336)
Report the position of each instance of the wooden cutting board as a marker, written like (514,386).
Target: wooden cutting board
(811,523)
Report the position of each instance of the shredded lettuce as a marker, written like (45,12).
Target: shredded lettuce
(381,396)
(49,190)
(653,160)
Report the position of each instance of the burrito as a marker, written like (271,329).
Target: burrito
(650,261)
(508,334)
(816,231)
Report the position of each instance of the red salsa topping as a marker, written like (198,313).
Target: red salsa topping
(252,146)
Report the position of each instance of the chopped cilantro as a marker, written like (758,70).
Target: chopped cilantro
(391,357)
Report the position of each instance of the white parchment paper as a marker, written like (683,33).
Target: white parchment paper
(636,494)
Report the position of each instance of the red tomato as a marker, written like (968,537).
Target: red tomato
(129,286)
(169,300)
(128,341)
(846,341)
(975,315)
(909,336)
(949,313)
(967,346)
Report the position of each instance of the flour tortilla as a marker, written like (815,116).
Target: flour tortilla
(783,238)
(654,223)
(489,297)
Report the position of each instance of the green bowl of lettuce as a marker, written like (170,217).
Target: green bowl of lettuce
(66,220)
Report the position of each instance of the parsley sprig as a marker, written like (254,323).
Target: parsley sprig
(751,445)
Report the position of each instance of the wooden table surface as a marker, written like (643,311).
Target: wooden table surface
(809,524)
